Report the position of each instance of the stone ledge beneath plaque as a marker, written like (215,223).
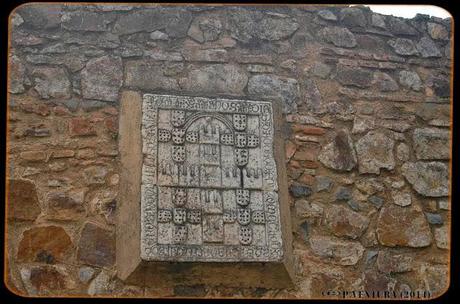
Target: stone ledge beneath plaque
(203,192)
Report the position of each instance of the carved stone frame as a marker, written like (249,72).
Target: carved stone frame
(132,265)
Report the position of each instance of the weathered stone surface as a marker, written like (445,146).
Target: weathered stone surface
(344,222)
(246,25)
(81,127)
(343,193)
(323,183)
(158,35)
(431,143)
(410,79)
(102,78)
(353,76)
(442,237)
(437,31)
(401,198)
(86,21)
(339,154)
(353,17)
(33,156)
(403,46)
(178,23)
(427,178)
(205,29)
(46,244)
(435,278)
(327,15)
(376,200)
(384,82)
(299,190)
(276,87)
(66,206)
(44,16)
(428,48)
(175,21)
(85,273)
(337,251)
(96,246)
(102,284)
(363,123)
(399,26)
(51,82)
(215,79)
(95,175)
(369,185)
(448,50)
(375,151)
(16,20)
(46,280)
(22,200)
(313,99)
(444,204)
(434,218)
(209,55)
(389,262)
(321,70)
(375,280)
(403,226)
(339,36)
(148,75)
(440,85)
(378,20)
(306,209)
(16,75)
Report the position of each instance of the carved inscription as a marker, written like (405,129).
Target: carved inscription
(209,190)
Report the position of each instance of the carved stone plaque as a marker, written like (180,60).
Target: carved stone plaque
(209,190)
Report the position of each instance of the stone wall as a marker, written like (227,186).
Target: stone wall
(367,107)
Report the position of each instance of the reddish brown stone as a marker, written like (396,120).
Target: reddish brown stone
(309,153)
(294,164)
(66,206)
(308,130)
(307,179)
(403,226)
(111,124)
(46,279)
(22,200)
(388,262)
(81,127)
(322,282)
(61,111)
(308,164)
(375,281)
(290,148)
(107,152)
(345,222)
(63,153)
(96,246)
(97,117)
(44,244)
(111,111)
(33,156)
(85,153)
(39,109)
